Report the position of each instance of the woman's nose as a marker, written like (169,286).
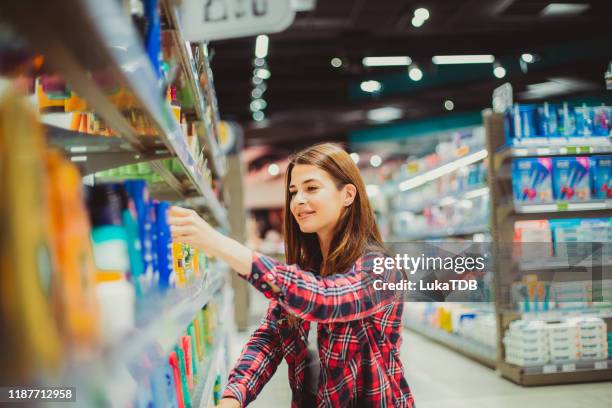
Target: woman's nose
(299,198)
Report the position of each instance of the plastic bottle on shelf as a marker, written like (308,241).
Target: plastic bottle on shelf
(29,298)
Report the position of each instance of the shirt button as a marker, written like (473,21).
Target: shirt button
(270,276)
(255,275)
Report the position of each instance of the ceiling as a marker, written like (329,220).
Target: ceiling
(309,100)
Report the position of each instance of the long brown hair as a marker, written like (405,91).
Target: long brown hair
(356,231)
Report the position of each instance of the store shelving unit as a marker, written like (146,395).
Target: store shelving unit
(502,230)
(101,43)
(95,47)
(467,347)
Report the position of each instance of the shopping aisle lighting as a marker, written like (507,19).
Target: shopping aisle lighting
(261,46)
(355,158)
(415,73)
(371,86)
(375,160)
(386,61)
(273,169)
(499,71)
(462,59)
(385,114)
(420,16)
(449,105)
(258,116)
(263,73)
(336,62)
(442,170)
(528,58)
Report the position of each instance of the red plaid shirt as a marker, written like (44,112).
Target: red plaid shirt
(359,336)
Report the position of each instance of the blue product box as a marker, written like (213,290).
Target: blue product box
(602,121)
(570,179)
(584,120)
(531,180)
(567,120)
(601,177)
(547,120)
(523,121)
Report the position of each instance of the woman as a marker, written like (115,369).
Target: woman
(331,242)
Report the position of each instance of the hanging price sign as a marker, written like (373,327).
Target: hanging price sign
(206,20)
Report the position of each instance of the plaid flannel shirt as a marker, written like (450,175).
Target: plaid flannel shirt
(359,336)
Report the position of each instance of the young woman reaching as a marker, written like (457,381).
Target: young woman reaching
(331,240)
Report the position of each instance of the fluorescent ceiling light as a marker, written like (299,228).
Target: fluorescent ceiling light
(442,170)
(336,62)
(273,169)
(463,59)
(384,114)
(263,73)
(421,13)
(375,160)
(386,61)
(371,86)
(499,71)
(415,73)
(556,86)
(261,46)
(528,58)
(417,22)
(355,157)
(564,9)
(449,105)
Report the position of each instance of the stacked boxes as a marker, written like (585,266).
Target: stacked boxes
(532,343)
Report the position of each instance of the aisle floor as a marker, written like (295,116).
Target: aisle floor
(441,378)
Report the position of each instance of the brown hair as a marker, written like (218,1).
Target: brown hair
(356,231)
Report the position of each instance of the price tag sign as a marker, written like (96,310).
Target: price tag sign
(562,206)
(206,20)
(549,369)
(568,368)
(601,365)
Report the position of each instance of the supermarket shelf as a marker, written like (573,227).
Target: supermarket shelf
(92,153)
(209,366)
(563,206)
(469,348)
(421,178)
(547,147)
(593,209)
(101,42)
(443,232)
(558,264)
(550,315)
(206,132)
(582,371)
(452,198)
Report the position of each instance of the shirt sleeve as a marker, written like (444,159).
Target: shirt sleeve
(258,361)
(339,297)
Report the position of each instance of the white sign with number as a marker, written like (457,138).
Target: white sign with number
(206,20)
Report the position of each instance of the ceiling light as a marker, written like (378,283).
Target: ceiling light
(421,13)
(257,80)
(371,86)
(263,73)
(355,157)
(258,104)
(261,46)
(415,73)
(499,71)
(259,62)
(336,62)
(258,116)
(564,9)
(256,93)
(385,114)
(528,58)
(449,105)
(372,190)
(273,169)
(463,59)
(375,160)
(386,61)
(417,22)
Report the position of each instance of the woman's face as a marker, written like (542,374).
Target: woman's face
(316,203)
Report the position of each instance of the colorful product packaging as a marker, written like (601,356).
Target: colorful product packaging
(571,180)
(531,180)
(601,177)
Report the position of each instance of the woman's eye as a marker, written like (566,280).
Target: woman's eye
(291,193)
(312,188)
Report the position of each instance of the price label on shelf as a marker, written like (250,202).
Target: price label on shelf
(601,365)
(562,206)
(549,369)
(568,368)
(572,150)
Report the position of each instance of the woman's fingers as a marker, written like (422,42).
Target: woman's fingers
(182,229)
(179,221)
(176,211)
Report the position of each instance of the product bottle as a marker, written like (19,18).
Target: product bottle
(31,340)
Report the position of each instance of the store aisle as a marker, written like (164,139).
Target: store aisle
(441,378)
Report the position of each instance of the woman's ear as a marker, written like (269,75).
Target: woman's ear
(350,191)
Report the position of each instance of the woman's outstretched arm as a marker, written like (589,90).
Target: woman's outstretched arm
(336,298)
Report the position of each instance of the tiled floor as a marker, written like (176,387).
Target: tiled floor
(441,378)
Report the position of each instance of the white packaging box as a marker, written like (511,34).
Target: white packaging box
(594,356)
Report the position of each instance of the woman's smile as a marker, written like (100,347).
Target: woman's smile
(302,215)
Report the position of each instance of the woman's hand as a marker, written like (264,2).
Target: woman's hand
(189,228)
(228,403)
